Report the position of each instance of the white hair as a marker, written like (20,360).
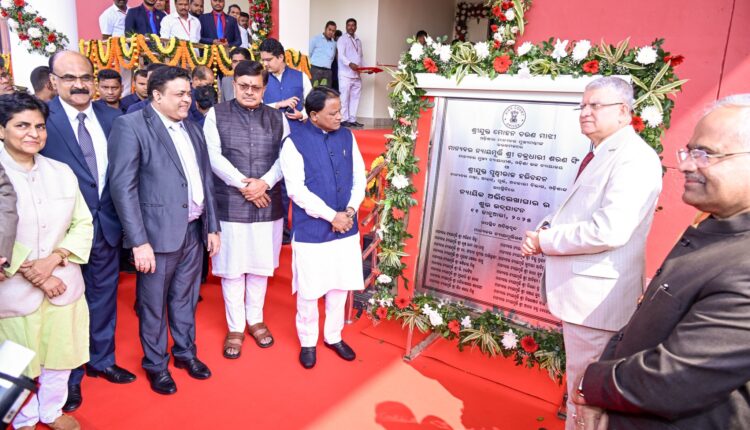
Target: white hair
(742,103)
(623,89)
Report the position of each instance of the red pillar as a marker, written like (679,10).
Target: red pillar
(275,19)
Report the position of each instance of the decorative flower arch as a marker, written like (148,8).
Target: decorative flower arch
(32,29)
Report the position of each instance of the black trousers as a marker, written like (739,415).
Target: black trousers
(169,296)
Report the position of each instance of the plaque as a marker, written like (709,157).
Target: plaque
(496,169)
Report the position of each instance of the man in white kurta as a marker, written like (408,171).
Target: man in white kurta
(325,178)
(244,139)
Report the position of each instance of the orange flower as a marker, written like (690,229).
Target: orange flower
(397,213)
(591,66)
(637,124)
(529,344)
(382,312)
(454,327)
(430,65)
(502,63)
(402,302)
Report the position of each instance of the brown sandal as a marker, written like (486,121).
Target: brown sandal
(233,341)
(260,331)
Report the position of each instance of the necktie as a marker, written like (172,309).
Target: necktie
(151,22)
(87,146)
(219,27)
(586,160)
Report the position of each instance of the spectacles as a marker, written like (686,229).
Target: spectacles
(69,79)
(595,106)
(702,158)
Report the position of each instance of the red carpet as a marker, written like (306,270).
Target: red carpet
(268,389)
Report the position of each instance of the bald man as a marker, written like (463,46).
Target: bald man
(77,135)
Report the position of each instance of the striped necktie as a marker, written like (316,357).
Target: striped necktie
(87,146)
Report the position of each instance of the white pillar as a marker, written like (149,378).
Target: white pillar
(294,24)
(60,15)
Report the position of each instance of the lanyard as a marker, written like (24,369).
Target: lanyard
(187,30)
(354,43)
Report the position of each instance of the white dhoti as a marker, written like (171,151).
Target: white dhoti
(350,89)
(46,405)
(329,269)
(248,255)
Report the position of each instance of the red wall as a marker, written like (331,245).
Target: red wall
(717,62)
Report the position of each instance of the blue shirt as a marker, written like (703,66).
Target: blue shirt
(322,51)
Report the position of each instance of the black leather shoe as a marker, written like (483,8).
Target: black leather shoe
(162,382)
(195,368)
(74,398)
(343,350)
(346,124)
(113,373)
(357,124)
(307,357)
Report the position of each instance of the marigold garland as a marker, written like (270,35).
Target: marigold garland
(655,85)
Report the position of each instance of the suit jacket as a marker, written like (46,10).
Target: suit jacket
(231,31)
(8,216)
(595,244)
(136,21)
(102,103)
(683,360)
(62,146)
(149,186)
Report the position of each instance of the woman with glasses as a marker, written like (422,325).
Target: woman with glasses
(42,305)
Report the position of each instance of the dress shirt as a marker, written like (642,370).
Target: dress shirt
(293,168)
(306,88)
(97,136)
(245,37)
(222,17)
(174,26)
(223,168)
(350,51)
(322,51)
(189,162)
(112,21)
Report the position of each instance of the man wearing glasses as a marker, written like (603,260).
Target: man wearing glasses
(77,136)
(682,360)
(595,241)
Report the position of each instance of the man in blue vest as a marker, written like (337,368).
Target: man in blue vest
(325,177)
(286,91)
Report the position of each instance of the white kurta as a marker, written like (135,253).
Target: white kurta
(321,267)
(245,247)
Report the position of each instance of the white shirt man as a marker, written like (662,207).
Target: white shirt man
(350,84)
(112,20)
(181,24)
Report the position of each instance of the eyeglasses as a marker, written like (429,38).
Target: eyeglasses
(595,106)
(702,158)
(69,79)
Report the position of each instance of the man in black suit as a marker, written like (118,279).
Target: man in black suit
(683,359)
(144,19)
(218,27)
(77,133)
(163,190)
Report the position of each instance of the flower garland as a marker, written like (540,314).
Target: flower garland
(34,34)
(260,26)
(652,70)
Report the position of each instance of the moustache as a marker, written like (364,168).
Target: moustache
(694,177)
(79,91)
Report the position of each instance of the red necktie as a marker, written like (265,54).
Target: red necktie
(586,160)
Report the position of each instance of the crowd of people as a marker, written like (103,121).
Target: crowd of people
(179,172)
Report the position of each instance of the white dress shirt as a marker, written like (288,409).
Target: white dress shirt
(189,161)
(112,21)
(245,38)
(97,136)
(174,26)
(350,51)
(306,88)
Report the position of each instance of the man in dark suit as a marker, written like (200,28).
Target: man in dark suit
(683,359)
(163,190)
(218,27)
(77,133)
(144,19)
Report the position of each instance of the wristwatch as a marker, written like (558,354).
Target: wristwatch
(350,212)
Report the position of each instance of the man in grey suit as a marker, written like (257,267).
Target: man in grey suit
(683,359)
(162,186)
(8,221)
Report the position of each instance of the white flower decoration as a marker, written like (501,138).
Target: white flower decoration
(384,279)
(51,48)
(416,51)
(559,52)
(510,42)
(428,41)
(651,116)
(391,112)
(523,71)
(6,4)
(13,25)
(509,340)
(400,181)
(379,232)
(646,55)
(254,26)
(498,35)
(35,33)
(444,52)
(514,29)
(510,14)
(525,48)
(436,319)
(405,96)
(483,50)
(371,301)
(581,50)
(466,322)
